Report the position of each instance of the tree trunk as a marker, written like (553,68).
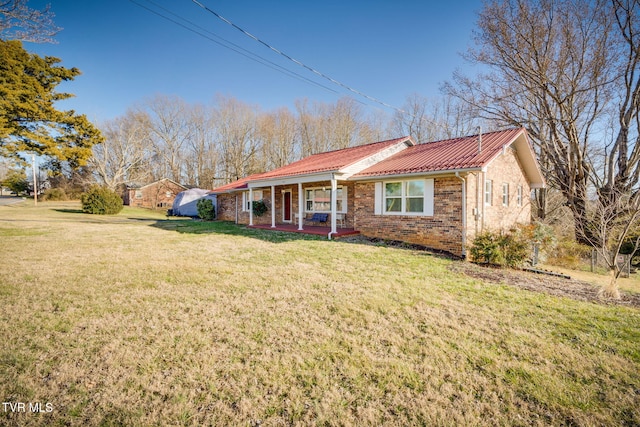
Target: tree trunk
(541,203)
(582,229)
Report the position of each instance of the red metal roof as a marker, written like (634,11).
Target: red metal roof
(331,160)
(236,185)
(446,155)
(440,156)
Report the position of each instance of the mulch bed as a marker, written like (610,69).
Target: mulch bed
(558,286)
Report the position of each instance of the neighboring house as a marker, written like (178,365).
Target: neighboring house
(438,194)
(157,195)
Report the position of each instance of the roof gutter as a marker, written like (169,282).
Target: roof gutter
(406,175)
(294,179)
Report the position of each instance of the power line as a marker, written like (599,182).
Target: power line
(236,48)
(313,70)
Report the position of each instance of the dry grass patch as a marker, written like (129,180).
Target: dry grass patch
(139,320)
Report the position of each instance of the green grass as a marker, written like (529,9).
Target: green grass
(135,319)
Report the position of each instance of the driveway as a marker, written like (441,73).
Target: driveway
(9,200)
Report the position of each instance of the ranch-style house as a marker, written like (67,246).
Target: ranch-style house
(438,194)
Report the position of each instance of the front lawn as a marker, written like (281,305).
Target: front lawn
(136,319)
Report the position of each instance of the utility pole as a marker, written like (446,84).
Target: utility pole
(35,183)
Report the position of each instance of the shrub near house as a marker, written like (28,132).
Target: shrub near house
(206,210)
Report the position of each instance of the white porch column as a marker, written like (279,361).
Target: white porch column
(273,206)
(300,206)
(250,206)
(334,206)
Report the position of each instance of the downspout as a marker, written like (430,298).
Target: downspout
(483,203)
(479,217)
(464,215)
(236,208)
(334,206)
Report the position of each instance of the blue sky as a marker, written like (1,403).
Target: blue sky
(385,49)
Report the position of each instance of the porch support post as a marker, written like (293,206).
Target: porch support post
(273,206)
(334,206)
(300,206)
(250,206)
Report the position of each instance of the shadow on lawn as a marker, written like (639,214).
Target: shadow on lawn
(194,226)
(66,210)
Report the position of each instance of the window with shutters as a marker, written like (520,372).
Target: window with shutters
(409,197)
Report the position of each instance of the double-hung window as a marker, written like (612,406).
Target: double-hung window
(488,192)
(319,199)
(505,194)
(519,196)
(413,197)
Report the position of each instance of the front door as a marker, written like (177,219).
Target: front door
(286,206)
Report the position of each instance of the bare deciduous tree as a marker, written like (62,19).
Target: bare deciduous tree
(431,120)
(19,22)
(236,125)
(202,156)
(613,223)
(345,123)
(415,119)
(120,159)
(279,142)
(569,71)
(168,127)
(313,127)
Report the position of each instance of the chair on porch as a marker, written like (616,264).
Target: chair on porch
(340,219)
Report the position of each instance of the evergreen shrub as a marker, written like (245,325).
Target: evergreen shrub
(206,210)
(101,201)
(506,250)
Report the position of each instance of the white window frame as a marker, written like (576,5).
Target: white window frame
(488,192)
(257,195)
(505,194)
(427,197)
(328,189)
(519,195)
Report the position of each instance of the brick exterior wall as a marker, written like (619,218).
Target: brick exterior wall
(227,202)
(506,169)
(495,217)
(158,195)
(227,206)
(442,231)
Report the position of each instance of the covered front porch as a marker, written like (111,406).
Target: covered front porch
(319,204)
(308,229)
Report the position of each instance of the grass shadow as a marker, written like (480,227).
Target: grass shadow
(191,226)
(360,239)
(67,210)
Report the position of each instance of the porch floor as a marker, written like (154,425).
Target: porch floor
(308,229)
